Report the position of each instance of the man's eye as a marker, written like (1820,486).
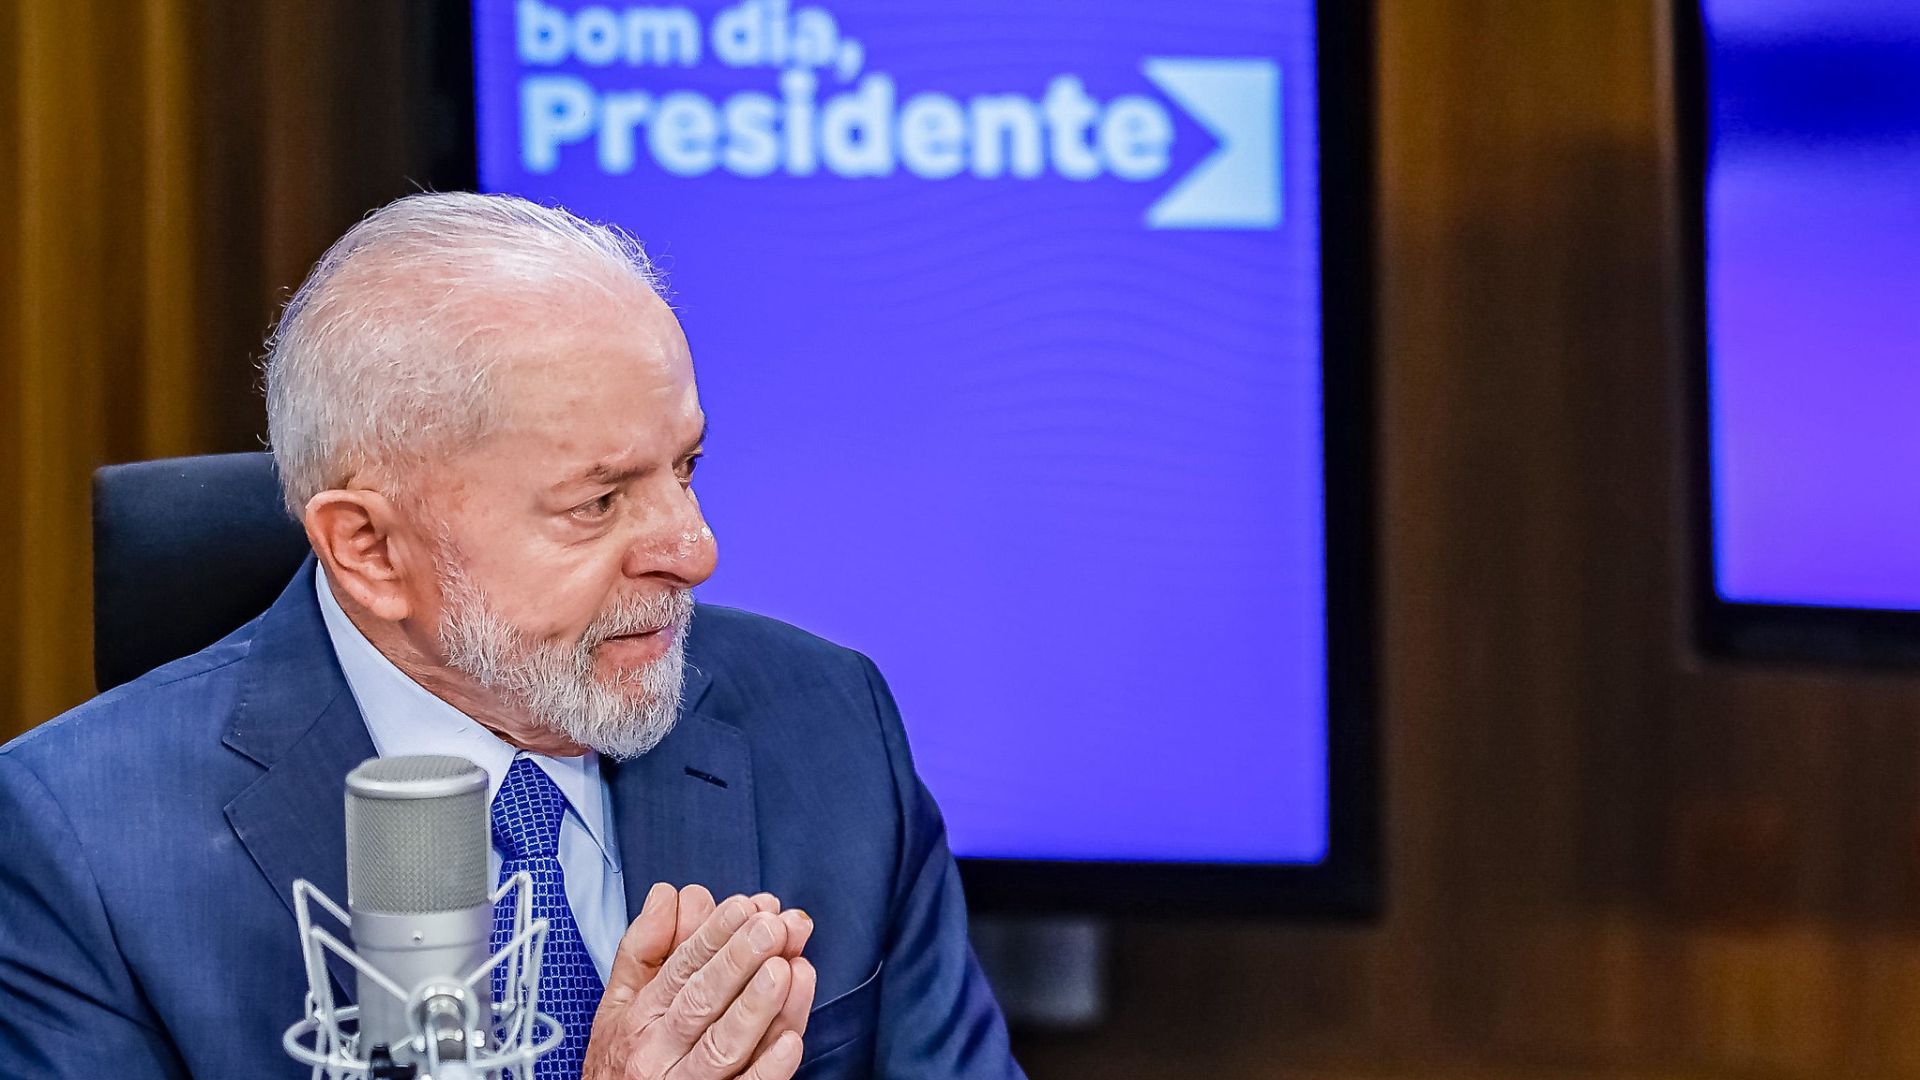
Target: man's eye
(686,470)
(596,508)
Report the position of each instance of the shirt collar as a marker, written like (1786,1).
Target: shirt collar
(404,717)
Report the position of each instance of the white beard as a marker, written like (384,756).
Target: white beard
(554,683)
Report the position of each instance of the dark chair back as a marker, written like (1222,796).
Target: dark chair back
(185,551)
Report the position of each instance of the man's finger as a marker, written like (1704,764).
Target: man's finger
(799,931)
(780,1062)
(708,991)
(706,996)
(692,955)
(727,1044)
(696,904)
(799,923)
(797,1008)
(800,996)
(645,946)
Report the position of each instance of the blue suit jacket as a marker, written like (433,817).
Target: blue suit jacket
(152,837)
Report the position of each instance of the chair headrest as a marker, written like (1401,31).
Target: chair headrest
(185,551)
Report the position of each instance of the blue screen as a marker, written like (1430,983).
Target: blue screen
(1813,300)
(1006,317)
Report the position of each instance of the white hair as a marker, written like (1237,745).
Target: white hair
(384,356)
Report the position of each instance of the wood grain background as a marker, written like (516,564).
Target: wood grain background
(1608,858)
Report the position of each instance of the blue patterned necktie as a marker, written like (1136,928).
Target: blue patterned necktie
(526,828)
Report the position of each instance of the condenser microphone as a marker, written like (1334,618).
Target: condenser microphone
(417,841)
(420,914)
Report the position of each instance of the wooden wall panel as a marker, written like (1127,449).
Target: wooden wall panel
(13,714)
(1608,859)
(172,169)
(69,313)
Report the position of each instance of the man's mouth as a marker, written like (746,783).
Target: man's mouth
(634,635)
(633,650)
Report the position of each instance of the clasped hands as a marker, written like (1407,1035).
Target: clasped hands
(702,991)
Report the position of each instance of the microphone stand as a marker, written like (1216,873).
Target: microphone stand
(452,1034)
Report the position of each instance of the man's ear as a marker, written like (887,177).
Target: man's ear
(353,533)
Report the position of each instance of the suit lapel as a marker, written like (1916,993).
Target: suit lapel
(296,717)
(684,811)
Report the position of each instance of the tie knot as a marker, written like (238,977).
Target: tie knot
(527,812)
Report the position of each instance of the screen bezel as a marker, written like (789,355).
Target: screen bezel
(1725,629)
(1347,883)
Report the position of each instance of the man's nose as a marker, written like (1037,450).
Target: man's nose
(673,540)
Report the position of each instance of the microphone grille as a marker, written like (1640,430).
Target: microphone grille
(417,834)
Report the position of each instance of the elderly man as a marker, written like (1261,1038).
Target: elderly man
(486,419)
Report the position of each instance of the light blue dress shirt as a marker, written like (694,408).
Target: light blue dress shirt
(403,717)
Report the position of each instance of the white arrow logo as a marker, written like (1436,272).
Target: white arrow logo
(1238,185)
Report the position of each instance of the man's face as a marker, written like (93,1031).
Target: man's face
(567,542)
